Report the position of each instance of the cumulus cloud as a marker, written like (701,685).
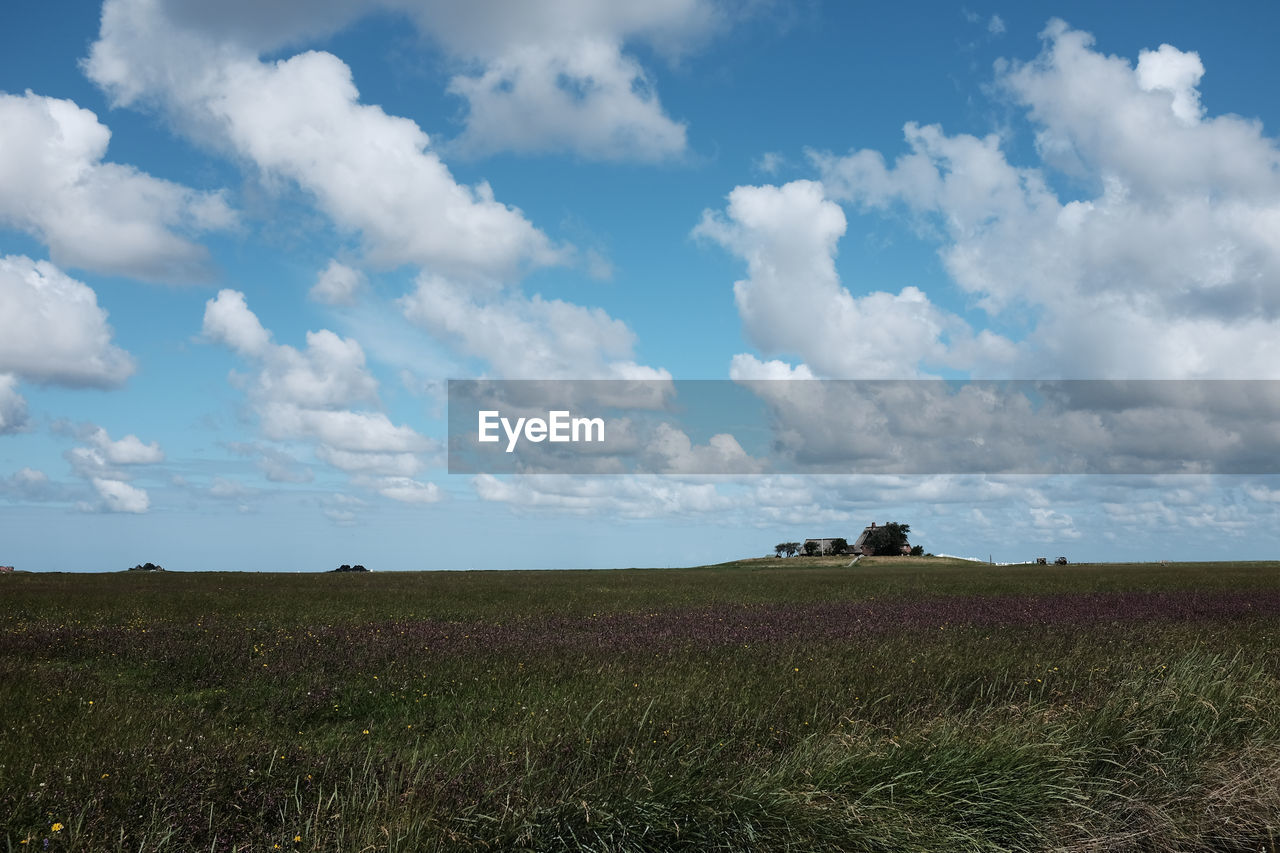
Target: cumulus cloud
(228,320)
(526,337)
(337,284)
(52,329)
(587,97)
(119,496)
(309,394)
(556,74)
(100,464)
(536,76)
(745,366)
(1161,269)
(405,489)
(96,215)
(127,451)
(330,373)
(301,119)
(793,302)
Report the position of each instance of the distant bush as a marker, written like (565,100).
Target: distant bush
(345,568)
(146,567)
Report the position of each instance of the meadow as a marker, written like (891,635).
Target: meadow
(896,705)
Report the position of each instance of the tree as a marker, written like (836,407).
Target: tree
(793,548)
(779,548)
(811,548)
(837,546)
(917,550)
(887,541)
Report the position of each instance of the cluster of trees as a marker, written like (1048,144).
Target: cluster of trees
(810,549)
(146,567)
(345,568)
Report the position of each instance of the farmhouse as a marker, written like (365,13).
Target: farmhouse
(861,546)
(6,569)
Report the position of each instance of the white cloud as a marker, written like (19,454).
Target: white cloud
(301,119)
(308,394)
(1170,70)
(398,464)
(745,366)
(52,329)
(793,303)
(330,373)
(119,496)
(97,465)
(406,490)
(337,284)
(555,74)
(995,25)
(127,451)
(1162,270)
(228,320)
(92,214)
(88,463)
(341,429)
(537,76)
(13,408)
(526,337)
(587,97)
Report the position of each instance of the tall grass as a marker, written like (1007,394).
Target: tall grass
(896,706)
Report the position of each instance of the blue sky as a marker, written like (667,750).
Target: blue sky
(241,250)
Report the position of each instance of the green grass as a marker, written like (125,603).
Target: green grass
(763,705)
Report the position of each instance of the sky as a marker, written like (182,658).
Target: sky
(244,246)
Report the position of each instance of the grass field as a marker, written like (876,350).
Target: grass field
(765,705)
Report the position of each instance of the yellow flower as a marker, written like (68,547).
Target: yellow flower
(57,827)
(297,838)
(366,731)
